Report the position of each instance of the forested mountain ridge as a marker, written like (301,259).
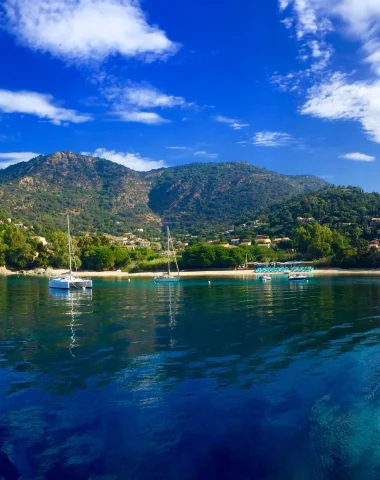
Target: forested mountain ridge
(107,197)
(220,193)
(344,208)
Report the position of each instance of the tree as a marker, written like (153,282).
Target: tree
(19,258)
(100,258)
(122,257)
(14,237)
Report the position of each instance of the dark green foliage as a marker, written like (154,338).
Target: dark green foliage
(99,258)
(334,207)
(211,256)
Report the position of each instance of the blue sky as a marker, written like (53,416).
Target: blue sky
(291,85)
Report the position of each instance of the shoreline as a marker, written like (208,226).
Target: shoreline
(187,274)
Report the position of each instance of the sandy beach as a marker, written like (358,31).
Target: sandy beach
(188,274)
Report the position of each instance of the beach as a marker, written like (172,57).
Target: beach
(188,274)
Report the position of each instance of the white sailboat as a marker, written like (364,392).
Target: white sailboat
(68,280)
(168,277)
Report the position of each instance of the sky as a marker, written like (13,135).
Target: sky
(289,85)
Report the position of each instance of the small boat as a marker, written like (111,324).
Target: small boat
(297,278)
(168,277)
(68,280)
(265,278)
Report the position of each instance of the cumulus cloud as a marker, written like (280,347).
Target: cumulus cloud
(335,96)
(131,160)
(232,122)
(358,157)
(85,30)
(272,139)
(7,159)
(204,154)
(40,105)
(340,99)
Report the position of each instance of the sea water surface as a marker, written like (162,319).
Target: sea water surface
(233,380)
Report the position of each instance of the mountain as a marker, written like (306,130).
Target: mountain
(108,197)
(201,194)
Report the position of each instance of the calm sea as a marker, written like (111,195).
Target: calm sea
(233,380)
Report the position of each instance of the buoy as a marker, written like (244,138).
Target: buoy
(129,279)
(209,282)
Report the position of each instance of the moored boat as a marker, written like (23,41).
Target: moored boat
(168,278)
(67,280)
(265,278)
(297,278)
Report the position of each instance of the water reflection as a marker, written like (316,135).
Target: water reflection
(236,379)
(72,298)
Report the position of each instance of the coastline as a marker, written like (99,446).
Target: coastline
(187,274)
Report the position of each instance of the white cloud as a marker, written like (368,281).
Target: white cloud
(40,105)
(131,160)
(284,4)
(228,120)
(272,139)
(205,154)
(127,102)
(7,159)
(177,147)
(146,97)
(149,118)
(232,122)
(358,20)
(82,30)
(359,157)
(338,99)
(239,126)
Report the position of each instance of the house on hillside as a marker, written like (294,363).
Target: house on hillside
(281,239)
(245,244)
(259,241)
(259,238)
(263,245)
(235,241)
(374,244)
(305,219)
(375,222)
(143,243)
(41,240)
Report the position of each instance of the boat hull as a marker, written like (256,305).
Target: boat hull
(67,284)
(297,279)
(166,280)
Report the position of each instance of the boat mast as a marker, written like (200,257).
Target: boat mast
(168,234)
(69,237)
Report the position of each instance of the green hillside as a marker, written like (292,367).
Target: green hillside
(344,208)
(107,197)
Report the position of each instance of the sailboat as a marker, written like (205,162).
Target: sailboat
(168,277)
(68,280)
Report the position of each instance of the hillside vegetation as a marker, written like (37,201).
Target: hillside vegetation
(107,197)
(346,209)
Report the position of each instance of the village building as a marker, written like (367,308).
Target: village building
(41,240)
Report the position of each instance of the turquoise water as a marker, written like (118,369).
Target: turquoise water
(233,380)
